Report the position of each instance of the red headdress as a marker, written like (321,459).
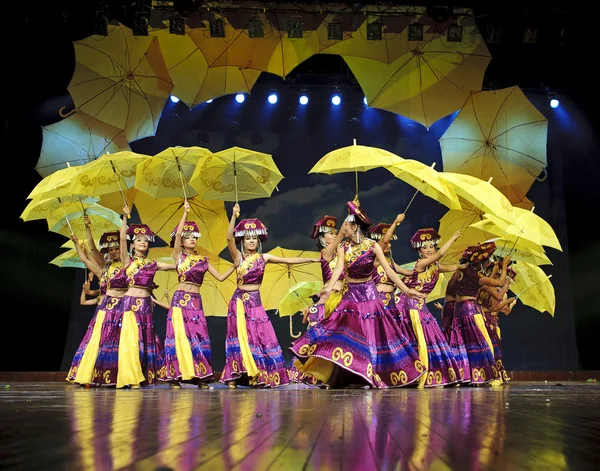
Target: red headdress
(425,235)
(251,226)
(136,230)
(109,239)
(190,229)
(378,232)
(479,253)
(323,225)
(357,215)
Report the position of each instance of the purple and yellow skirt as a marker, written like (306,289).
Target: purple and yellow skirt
(252,350)
(361,337)
(188,352)
(471,344)
(427,338)
(491,322)
(447,317)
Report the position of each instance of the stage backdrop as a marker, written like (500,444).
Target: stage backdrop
(298,137)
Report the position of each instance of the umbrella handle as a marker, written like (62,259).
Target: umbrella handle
(411,200)
(294,336)
(65,214)
(183,182)
(62,114)
(356,176)
(235,188)
(119,184)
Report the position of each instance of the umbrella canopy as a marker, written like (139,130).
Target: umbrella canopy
(298,297)
(68,259)
(102,220)
(498,134)
(78,139)
(56,184)
(533,287)
(121,80)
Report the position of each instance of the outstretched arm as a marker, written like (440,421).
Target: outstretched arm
(177,244)
(91,244)
(402,271)
(337,271)
(90,263)
(270,258)
(451,268)
(166,266)
(220,276)
(123,237)
(233,250)
(497,282)
(425,262)
(392,275)
(386,239)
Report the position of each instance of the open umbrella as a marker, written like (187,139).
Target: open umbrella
(236,174)
(121,80)
(52,209)
(354,158)
(102,220)
(56,184)
(298,297)
(533,287)
(499,134)
(68,259)
(78,139)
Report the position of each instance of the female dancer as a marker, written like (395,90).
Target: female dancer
(140,354)
(448,307)
(469,338)
(95,361)
(188,354)
(85,289)
(425,333)
(252,351)
(359,340)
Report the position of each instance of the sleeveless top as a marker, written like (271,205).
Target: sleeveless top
(359,258)
(379,275)
(467,282)
(140,273)
(191,268)
(424,281)
(251,270)
(327,268)
(113,277)
(451,286)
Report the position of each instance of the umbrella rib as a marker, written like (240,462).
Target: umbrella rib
(505,175)
(543,164)
(518,126)
(389,80)
(498,110)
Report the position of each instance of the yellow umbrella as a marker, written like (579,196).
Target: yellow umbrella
(215,295)
(68,259)
(498,134)
(163,216)
(110,173)
(298,297)
(518,248)
(122,80)
(102,220)
(236,174)
(194,82)
(167,174)
(426,180)
(529,226)
(354,158)
(533,287)
(78,139)
(279,277)
(480,194)
(432,79)
(114,201)
(56,184)
(455,220)
(53,209)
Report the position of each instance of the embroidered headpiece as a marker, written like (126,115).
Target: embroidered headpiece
(137,230)
(479,253)
(357,215)
(109,239)
(190,229)
(425,235)
(250,226)
(325,224)
(378,232)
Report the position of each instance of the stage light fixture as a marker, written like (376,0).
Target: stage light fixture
(101,24)
(553,98)
(272,98)
(174,99)
(240,97)
(365,101)
(295,29)
(455,33)
(375,31)
(256,28)
(177,24)
(415,32)
(303,100)
(335,32)
(217,28)
(530,36)
(336,99)
(140,24)
(494,34)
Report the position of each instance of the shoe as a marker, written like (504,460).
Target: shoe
(203,385)
(175,384)
(232,384)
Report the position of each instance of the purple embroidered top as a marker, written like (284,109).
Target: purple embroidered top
(467,282)
(251,270)
(484,299)
(379,275)
(327,268)
(191,268)
(140,273)
(114,277)
(359,258)
(451,286)
(424,281)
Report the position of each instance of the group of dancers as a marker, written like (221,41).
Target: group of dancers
(369,328)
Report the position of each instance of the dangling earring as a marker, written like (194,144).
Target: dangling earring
(259,246)
(242,248)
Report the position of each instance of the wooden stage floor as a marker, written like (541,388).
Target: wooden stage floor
(522,426)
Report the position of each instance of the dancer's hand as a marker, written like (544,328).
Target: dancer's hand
(414,294)
(399,219)
(86,221)
(236,210)
(186,206)
(126,211)
(438,306)
(457,234)
(324,295)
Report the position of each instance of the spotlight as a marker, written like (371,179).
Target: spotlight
(272,98)
(177,24)
(217,28)
(209,101)
(335,32)
(494,34)
(174,99)
(530,36)
(101,24)
(240,97)
(415,32)
(295,29)
(140,24)
(365,101)
(554,103)
(455,33)
(336,100)
(303,99)
(256,28)
(374,31)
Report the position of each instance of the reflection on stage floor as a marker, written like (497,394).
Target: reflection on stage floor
(521,426)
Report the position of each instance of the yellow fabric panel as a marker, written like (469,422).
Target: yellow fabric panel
(182,346)
(130,368)
(88,361)
(247,357)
